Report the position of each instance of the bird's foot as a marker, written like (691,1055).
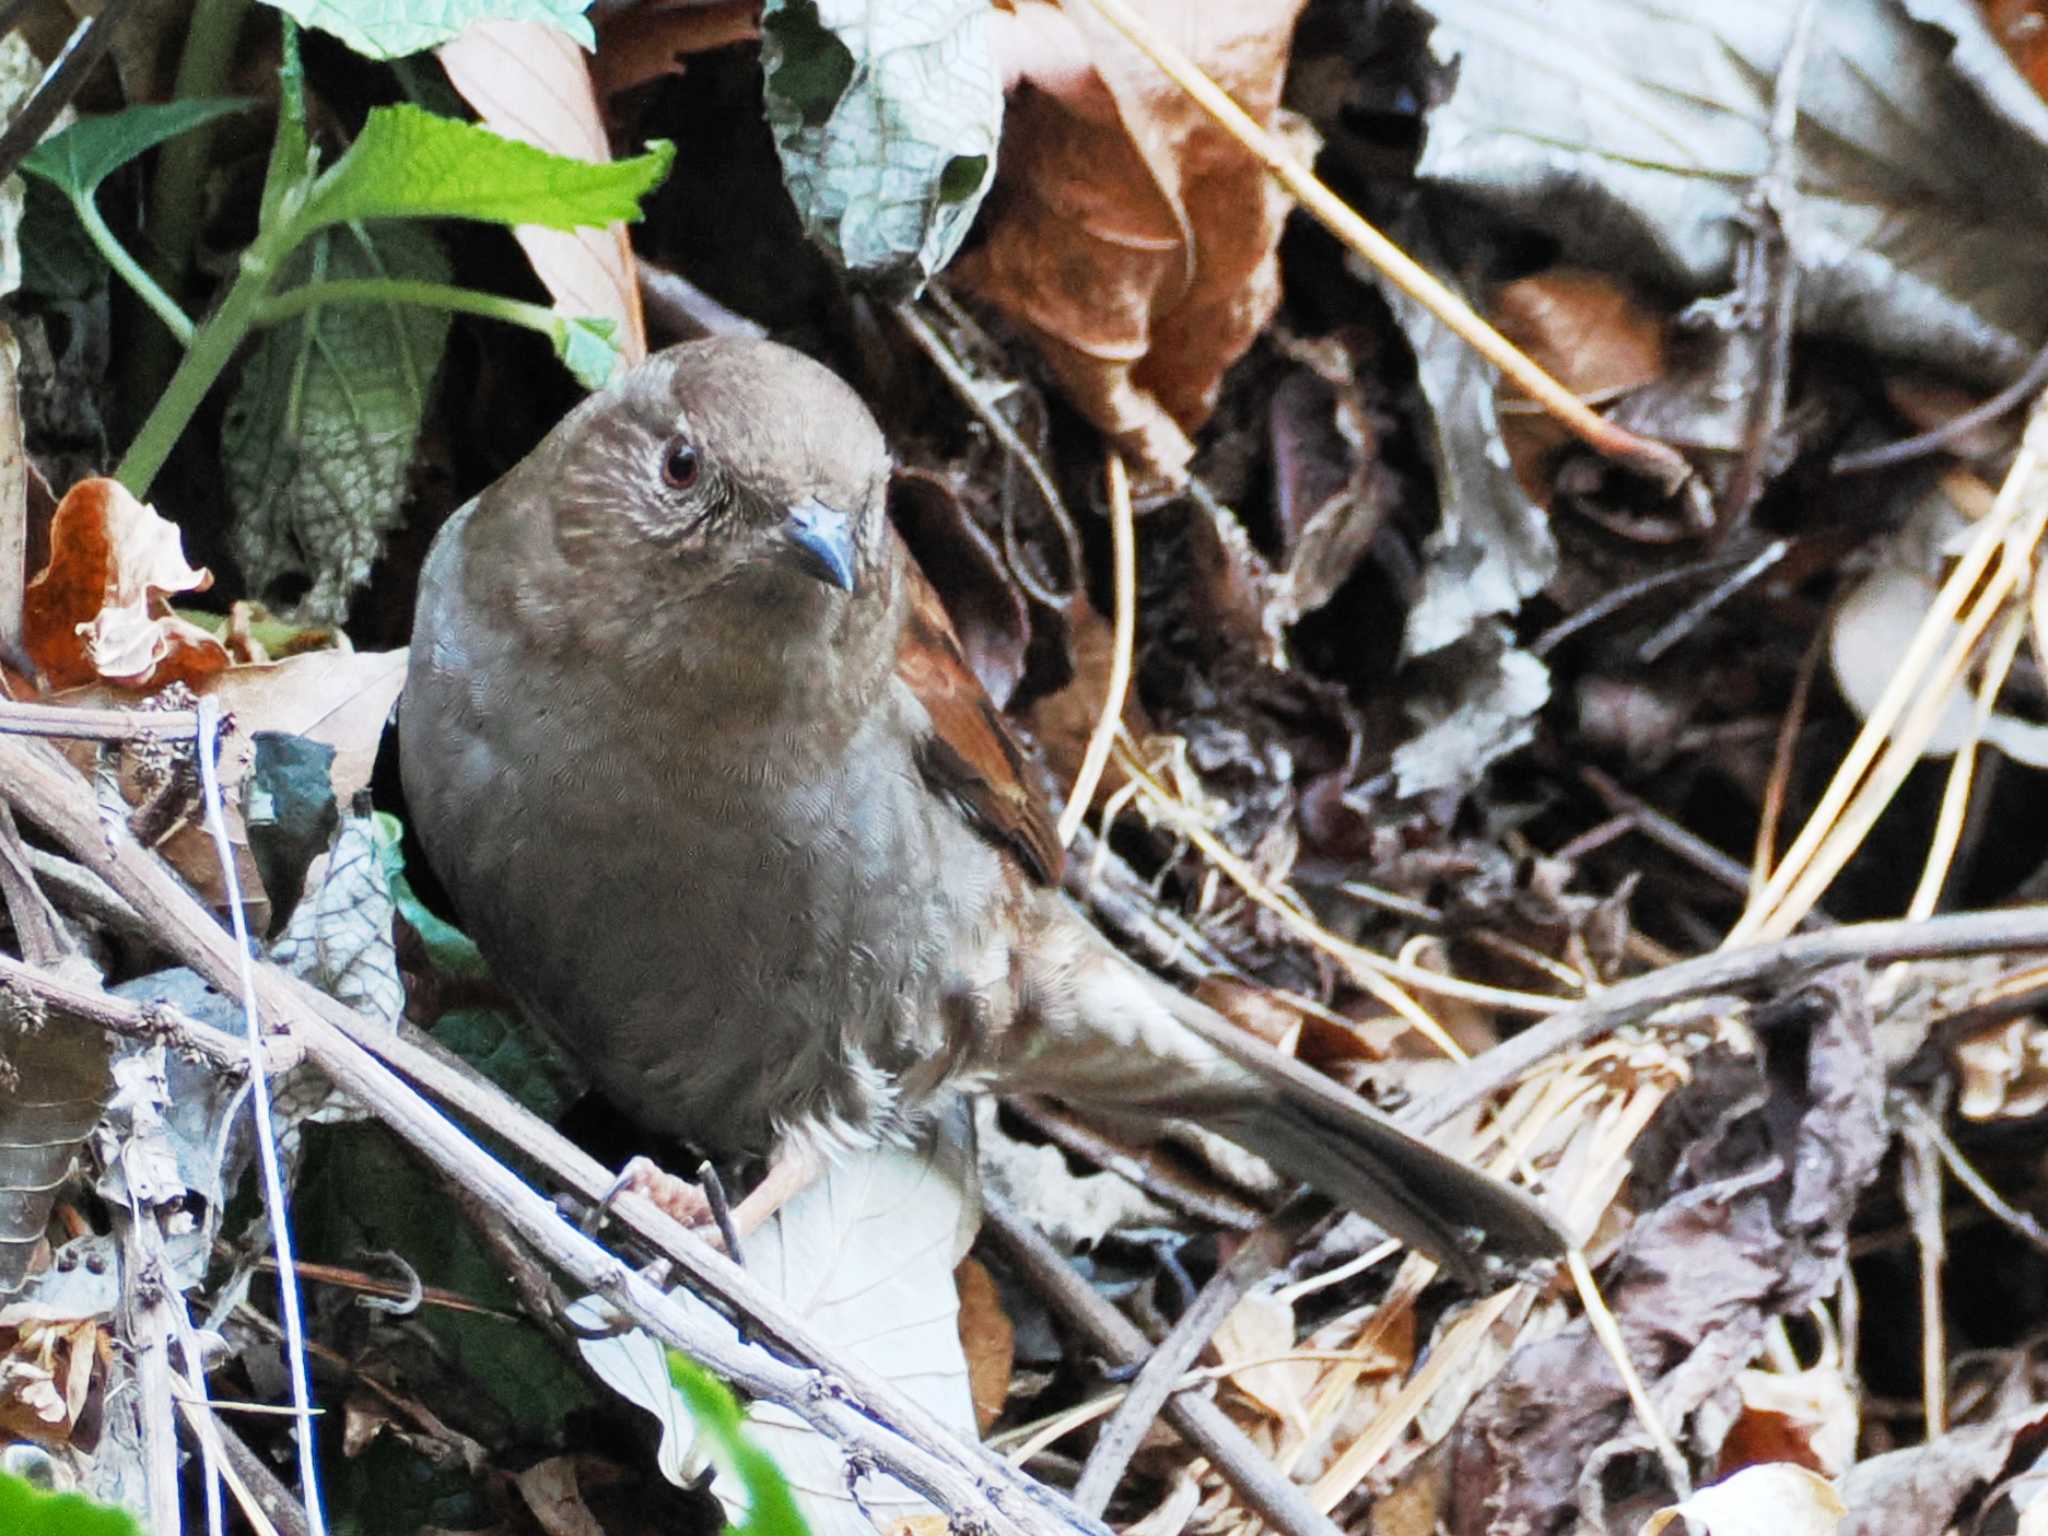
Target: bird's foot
(678,1199)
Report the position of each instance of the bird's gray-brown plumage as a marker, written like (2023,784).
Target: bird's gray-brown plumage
(689,740)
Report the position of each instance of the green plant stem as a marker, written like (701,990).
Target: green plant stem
(177,192)
(131,271)
(398,290)
(278,232)
(209,353)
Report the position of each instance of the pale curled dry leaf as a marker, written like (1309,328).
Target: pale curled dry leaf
(532,83)
(866,1255)
(2004,1074)
(1776,1499)
(1928,1487)
(100,610)
(1259,1329)
(1131,237)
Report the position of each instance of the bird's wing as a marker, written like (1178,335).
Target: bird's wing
(970,756)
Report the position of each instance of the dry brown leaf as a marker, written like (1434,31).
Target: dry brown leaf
(1128,234)
(1259,1328)
(531,82)
(1062,721)
(989,1340)
(1592,335)
(1805,1417)
(551,1492)
(342,698)
(639,43)
(100,610)
(2022,29)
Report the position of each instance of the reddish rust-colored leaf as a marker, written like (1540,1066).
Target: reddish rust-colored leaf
(100,610)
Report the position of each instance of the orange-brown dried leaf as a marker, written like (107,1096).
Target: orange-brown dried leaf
(1129,235)
(988,1339)
(100,610)
(1587,331)
(1062,721)
(2021,27)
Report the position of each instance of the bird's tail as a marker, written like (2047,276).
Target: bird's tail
(1120,1044)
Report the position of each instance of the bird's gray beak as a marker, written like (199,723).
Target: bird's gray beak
(821,538)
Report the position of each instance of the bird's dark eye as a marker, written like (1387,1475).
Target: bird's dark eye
(679,465)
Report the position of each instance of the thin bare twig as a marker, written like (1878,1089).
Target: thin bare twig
(1748,969)
(132,1020)
(1240,1463)
(1769,271)
(1921,1188)
(1162,1373)
(1966,1174)
(2009,399)
(929,342)
(20,719)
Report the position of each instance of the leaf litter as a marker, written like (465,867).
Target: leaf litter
(1438,725)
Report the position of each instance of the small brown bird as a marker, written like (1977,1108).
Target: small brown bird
(692,744)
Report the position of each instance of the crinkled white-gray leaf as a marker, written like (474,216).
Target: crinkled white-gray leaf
(1632,131)
(1492,547)
(391,29)
(1480,706)
(886,118)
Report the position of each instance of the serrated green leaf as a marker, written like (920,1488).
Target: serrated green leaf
(93,148)
(391,29)
(886,119)
(771,1507)
(589,348)
(28,1511)
(321,429)
(407,163)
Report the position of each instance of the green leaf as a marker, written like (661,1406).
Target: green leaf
(886,118)
(497,1042)
(453,952)
(320,433)
(391,29)
(93,148)
(28,1511)
(408,163)
(771,1507)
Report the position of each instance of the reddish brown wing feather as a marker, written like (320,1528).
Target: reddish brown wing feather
(970,755)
